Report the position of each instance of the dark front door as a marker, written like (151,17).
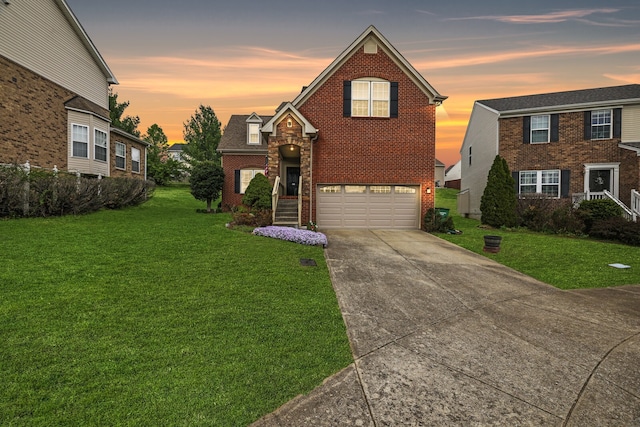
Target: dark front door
(293,176)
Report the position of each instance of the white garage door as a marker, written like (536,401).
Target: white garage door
(368,206)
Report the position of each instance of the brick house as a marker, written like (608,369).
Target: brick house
(54,108)
(356,148)
(575,144)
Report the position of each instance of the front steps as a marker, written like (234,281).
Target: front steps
(287,213)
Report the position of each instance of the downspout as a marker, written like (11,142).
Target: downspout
(314,139)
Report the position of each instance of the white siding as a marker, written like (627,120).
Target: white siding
(37,35)
(88,166)
(482,136)
(631,123)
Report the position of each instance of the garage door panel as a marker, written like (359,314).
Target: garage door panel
(368,206)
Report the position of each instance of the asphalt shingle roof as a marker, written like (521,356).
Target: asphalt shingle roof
(556,99)
(234,137)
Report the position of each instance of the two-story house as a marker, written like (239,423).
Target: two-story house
(355,149)
(54,108)
(579,144)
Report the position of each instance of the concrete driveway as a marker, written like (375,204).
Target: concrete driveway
(442,336)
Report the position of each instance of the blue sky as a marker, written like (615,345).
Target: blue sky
(243,56)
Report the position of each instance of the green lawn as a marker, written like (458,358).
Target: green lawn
(564,262)
(158,315)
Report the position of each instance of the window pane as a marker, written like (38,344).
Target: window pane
(100,145)
(539,136)
(380,109)
(254,133)
(550,177)
(404,190)
(355,189)
(528,178)
(121,149)
(80,149)
(80,136)
(539,122)
(380,91)
(100,153)
(380,189)
(331,189)
(80,133)
(359,90)
(135,160)
(601,124)
(120,162)
(359,108)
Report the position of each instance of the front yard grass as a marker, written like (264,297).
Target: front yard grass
(562,261)
(158,315)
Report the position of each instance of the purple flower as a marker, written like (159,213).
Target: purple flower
(305,237)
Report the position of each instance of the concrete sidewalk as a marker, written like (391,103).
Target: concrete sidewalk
(442,336)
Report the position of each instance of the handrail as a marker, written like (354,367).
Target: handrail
(274,198)
(635,205)
(627,212)
(300,201)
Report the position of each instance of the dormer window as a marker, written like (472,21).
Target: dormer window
(253,135)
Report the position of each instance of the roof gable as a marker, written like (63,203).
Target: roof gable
(234,137)
(307,127)
(367,40)
(565,100)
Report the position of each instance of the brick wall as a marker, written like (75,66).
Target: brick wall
(127,172)
(230,164)
(571,152)
(373,150)
(33,118)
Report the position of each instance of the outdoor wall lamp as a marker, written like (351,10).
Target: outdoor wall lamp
(428,190)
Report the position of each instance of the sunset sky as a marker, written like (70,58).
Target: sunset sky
(245,56)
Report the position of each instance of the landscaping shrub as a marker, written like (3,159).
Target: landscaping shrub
(433,222)
(596,210)
(541,213)
(260,218)
(42,193)
(617,228)
(258,193)
(206,181)
(498,202)
(566,220)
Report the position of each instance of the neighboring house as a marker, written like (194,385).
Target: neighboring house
(576,144)
(356,148)
(175,152)
(452,176)
(54,108)
(439,174)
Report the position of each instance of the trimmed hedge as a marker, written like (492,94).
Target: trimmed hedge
(43,193)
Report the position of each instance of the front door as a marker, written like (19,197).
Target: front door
(293,176)
(600,180)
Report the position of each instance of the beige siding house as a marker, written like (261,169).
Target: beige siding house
(54,109)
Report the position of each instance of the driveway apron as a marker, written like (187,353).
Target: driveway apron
(443,336)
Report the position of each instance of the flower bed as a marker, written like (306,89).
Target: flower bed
(304,237)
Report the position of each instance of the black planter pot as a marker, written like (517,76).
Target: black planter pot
(492,244)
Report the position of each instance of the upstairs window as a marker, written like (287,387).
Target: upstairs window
(539,129)
(370,98)
(253,136)
(135,160)
(100,145)
(601,124)
(121,155)
(80,141)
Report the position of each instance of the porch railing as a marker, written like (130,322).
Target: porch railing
(635,205)
(274,198)
(626,212)
(300,201)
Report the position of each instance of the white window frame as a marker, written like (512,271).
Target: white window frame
(75,140)
(135,164)
(100,144)
(253,134)
(246,175)
(368,90)
(540,179)
(599,120)
(538,126)
(122,155)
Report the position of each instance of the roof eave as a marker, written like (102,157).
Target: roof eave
(564,107)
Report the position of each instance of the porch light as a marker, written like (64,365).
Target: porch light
(428,190)
(292,148)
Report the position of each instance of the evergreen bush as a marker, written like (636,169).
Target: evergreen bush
(498,202)
(258,194)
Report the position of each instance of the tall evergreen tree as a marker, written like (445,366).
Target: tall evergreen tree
(498,203)
(202,135)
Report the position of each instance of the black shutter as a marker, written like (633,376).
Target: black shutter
(617,122)
(526,129)
(346,99)
(565,177)
(393,112)
(555,122)
(236,181)
(587,125)
(516,180)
